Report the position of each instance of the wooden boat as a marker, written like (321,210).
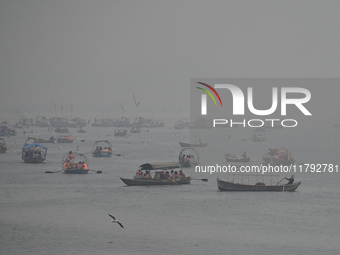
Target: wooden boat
(76,171)
(138,180)
(180,125)
(231,186)
(50,140)
(135,130)
(259,137)
(65,139)
(61,130)
(3,146)
(277,157)
(73,163)
(102,148)
(232,158)
(148,182)
(81,131)
(120,132)
(34,153)
(193,144)
(188,160)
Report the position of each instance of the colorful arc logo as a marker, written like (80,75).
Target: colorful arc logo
(208,92)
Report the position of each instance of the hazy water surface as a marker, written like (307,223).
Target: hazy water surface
(67,214)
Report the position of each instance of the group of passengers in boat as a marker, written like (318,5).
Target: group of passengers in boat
(32,152)
(187,158)
(71,164)
(173,175)
(279,154)
(98,149)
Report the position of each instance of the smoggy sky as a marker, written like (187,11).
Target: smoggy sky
(97,54)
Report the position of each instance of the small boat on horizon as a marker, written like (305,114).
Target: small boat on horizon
(277,157)
(135,129)
(65,139)
(200,144)
(61,130)
(120,132)
(232,158)
(50,140)
(102,148)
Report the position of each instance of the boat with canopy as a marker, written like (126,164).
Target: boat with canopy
(159,177)
(102,148)
(34,153)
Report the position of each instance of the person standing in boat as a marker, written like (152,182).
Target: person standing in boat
(290,180)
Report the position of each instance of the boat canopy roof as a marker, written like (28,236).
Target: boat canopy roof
(34,144)
(160,165)
(102,141)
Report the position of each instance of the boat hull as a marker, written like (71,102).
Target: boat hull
(148,182)
(34,160)
(230,158)
(62,140)
(102,154)
(76,171)
(229,186)
(193,144)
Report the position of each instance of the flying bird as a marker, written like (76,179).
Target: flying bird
(115,221)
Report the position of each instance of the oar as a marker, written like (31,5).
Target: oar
(204,179)
(117,154)
(51,172)
(98,172)
(280,181)
(172,180)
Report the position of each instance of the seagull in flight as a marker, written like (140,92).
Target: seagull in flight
(115,221)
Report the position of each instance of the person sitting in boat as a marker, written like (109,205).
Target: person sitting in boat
(290,180)
(157,176)
(167,174)
(244,155)
(175,176)
(273,152)
(139,172)
(67,164)
(172,174)
(181,174)
(83,165)
(162,175)
(147,174)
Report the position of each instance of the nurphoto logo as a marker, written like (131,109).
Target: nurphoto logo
(295,96)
